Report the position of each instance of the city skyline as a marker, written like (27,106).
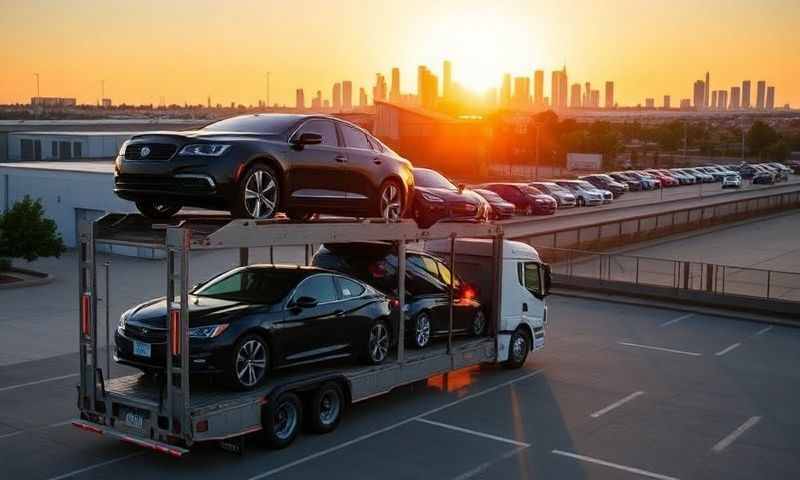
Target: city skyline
(82,48)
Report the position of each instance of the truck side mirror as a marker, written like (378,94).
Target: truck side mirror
(548,280)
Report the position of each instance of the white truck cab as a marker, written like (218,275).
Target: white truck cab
(524,284)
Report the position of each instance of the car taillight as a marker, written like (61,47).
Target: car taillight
(468,293)
(377,270)
(394,303)
(86,310)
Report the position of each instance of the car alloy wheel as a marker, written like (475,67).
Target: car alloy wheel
(260,193)
(391,201)
(422,330)
(478,323)
(378,346)
(251,362)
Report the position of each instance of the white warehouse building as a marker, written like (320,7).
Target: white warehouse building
(25,146)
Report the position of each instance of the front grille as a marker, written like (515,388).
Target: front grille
(145,334)
(154,151)
(161,183)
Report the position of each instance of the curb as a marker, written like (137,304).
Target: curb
(43,278)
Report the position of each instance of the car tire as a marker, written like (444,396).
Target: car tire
(390,201)
(422,330)
(478,323)
(281,420)
(528,211)
(156,210)
(518,349)
(325,408)
(581,202)
(378,343)
(249,362)
(258,195)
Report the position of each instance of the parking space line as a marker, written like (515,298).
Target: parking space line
(676,320)
(661,349)
(474,432)
(727,349)
(37,382)
(97,465)
(391,427)
(725,442)
(604,463)
(616,404)
(20,432)
(765,330)
(486,465)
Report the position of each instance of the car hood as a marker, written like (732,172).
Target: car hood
(202,311)
(452,196)
(202,135)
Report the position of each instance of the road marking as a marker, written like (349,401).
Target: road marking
(20,432)
(661,349)
(485,465)
(613,465)
(725,442)
(676,320)
(616,404)
(97,465)
(474,432)
(727,349)
(366,436)
(37,382)
(764,330)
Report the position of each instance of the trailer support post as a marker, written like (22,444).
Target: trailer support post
(401,298)
(452,267)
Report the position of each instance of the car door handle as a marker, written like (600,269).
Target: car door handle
(376,161)
(340,158)
(339,313)
(524,307)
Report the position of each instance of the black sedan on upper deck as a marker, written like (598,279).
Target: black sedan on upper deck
(250,320)
(257,165)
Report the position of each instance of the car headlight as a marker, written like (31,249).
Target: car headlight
(123,319)
(209,331)
(123,147)
(431,197)
(205,149)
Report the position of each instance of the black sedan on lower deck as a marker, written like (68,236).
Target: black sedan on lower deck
(437,198)
(250,320)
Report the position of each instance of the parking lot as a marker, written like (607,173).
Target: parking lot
(619,391)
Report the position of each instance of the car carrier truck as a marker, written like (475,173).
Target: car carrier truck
(173,411)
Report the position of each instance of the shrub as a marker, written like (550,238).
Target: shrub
(26,233)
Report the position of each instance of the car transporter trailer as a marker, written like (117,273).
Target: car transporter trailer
(164,414)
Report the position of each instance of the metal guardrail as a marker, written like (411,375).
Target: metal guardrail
(677,274)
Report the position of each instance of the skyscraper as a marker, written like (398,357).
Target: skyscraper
(699,94)
(299,101)
(770,98)
(575,96)
(707,90)
(447,80)
(522,91)
(538,88)
(736,96)
(347,95)
(667,102)
(746,94)
(337,96)
(761,90)
(558,88)
(594,99)
(505,90)
(722,100)
(649,103)
(394,93)
(714,100)
(379,90)
(362,97)
(427,87)
(316,101)
(587,95)
(609,94)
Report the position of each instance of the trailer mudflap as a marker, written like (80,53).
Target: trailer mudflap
(161,447)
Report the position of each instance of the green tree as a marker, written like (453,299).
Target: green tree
(26,233)
(760,137)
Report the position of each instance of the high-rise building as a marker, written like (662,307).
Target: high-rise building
(736,97)
(649,103)
(427,87)
(686,104)
(337,96)
(379,90)
(326,104)
(362,97)
(761,92)
(594,99)
(575,96)
(713,105)
(587,95)
(394,92)
(770,98)
(699,94)
(707,90)
(609,95)
(447,80)
(746,94)
(316,102)
(300,100)
(722,100)
(522,91)
(347,95)
(505,90)
(667,102)
(538,88)
(558,87)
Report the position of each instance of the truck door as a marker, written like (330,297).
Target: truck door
(532,276)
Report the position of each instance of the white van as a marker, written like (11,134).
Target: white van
(523,288)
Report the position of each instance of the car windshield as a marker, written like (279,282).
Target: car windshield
(489,195)
(531,190)
(252,285)
(431,179)
(585,185)
(605,177)
(268,124)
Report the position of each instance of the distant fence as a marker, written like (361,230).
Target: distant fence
(527,173)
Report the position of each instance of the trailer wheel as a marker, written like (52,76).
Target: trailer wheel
(518,349)
(281,420)
(325,408)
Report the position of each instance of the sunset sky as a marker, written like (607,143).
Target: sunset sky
(186,50)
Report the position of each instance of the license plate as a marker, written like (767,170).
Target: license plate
(134,420)
(141,349)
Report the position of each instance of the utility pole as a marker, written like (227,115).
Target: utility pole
(742,140)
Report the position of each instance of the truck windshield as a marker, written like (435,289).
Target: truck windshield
(252,285)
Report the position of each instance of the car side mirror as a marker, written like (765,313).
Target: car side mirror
(548,279)
(461,187)
(305,302)
(307,138)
